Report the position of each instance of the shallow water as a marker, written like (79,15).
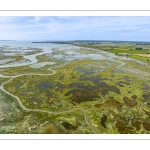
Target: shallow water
(3,61)
(41,64)
(20,47)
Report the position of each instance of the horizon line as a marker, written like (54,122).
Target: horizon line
(79,40)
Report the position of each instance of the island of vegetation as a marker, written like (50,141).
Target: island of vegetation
(75,87)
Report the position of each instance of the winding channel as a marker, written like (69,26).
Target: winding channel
(33,60)
(39,110)
(45,111)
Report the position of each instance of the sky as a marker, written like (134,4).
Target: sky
(41,28)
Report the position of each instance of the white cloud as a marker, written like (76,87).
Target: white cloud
(44,27)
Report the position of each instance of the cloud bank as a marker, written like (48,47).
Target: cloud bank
(75,28)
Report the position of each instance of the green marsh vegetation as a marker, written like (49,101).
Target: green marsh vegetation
(105,96)
(109,101)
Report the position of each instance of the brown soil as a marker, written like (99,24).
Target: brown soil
(146,125)
(111,103)
(143,55)
(129,102)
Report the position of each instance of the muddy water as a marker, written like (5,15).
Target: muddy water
(81,93)
(69,126)
(44,85)
(103,120)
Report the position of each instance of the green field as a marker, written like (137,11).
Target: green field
(120,48)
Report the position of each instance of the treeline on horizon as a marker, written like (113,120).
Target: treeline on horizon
(95,42)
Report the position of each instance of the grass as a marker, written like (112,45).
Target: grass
(107,102)
(147,59)
(128,49)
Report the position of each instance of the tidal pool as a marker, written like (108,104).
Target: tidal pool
(41,64)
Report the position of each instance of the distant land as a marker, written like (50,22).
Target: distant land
(7,40)
(95,41)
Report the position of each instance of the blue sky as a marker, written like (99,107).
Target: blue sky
(75,28)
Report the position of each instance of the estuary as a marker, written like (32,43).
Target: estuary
(68,88)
